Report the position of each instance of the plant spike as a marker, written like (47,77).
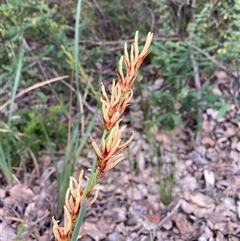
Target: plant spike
(108,155)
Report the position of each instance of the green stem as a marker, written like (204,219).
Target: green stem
(79,220)
(90,184)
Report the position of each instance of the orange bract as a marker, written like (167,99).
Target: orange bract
(108,157)
(112,109)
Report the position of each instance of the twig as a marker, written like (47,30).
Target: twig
(160,225)
(197,81)
(195,71)
(84,101)
(224,68)
(32,88)
(26,222)
(33,55)
(233,92)
(169,215)
(40,84)
(192,57)
(209,57)
(35,162)
(72,88)
(117,42)
(152,18)
(69,120)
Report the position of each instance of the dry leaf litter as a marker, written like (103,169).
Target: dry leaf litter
(205,191)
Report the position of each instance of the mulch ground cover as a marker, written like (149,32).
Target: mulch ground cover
(204,194)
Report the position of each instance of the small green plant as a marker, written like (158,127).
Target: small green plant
(20,231)
(29,133)
(165,183)
(177,61)
(167,107)
(5,161)
(163,171)
(23,23)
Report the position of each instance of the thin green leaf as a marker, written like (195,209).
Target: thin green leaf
(222,111)
(76,44)
(79,220)
(16,84)
(5,165)
(91,182)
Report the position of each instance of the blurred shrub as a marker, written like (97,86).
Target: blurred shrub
(36,26)
(116,20)
(32,130)
(212,36)
(170,106)
(33,24)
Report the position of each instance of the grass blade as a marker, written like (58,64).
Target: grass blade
(5,165)
(91,182)
(16,84)
(79,220)
(76,44)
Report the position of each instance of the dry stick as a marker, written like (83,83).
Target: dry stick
(69,119)
(167,218)
(192,57)
(169,215)
(233,92)
(81,113)
(33,55)
(106,43)
(84,101)
(209,57)
(195,65)
(26,222)
(152,18)
(100,9)
(39,85)
(195,71)
(35,162)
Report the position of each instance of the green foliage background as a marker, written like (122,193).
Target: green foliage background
(45,29)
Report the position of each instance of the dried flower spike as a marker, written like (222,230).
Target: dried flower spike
(108,156)
(122,93)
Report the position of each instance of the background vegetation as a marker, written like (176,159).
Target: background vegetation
(192,39)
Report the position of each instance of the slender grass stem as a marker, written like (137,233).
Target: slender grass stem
(16,84)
